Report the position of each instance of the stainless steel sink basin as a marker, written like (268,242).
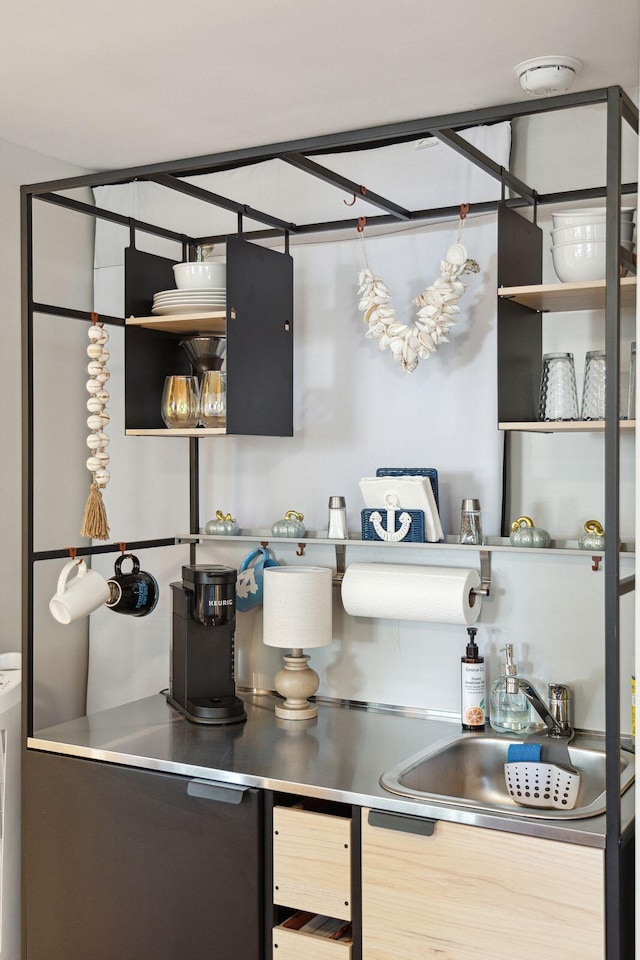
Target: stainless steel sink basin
(468,770)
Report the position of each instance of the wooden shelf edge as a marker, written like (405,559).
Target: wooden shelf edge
(174,432)
(553,297)
(565,426)
(213,321)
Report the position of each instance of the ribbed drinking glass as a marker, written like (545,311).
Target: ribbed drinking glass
(594,389)
(631,401)
(558,391)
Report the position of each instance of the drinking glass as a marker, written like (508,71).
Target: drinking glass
(180,402)
(594,389)
(213,399)
(631,401)
(558,391)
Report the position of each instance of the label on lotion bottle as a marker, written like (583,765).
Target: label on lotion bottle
(473,692)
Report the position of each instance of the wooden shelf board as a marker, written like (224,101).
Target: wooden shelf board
(212,322)
(589,295)
(175,432)
(564,426)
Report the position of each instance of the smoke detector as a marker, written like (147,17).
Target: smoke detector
(545,76)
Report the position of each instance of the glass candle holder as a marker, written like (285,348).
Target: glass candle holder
(180,402)
(213,399)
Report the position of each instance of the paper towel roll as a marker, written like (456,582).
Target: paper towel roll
(411,592)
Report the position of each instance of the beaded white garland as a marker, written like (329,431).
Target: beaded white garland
(97,441)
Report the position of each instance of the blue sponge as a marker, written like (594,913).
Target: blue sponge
(528,752)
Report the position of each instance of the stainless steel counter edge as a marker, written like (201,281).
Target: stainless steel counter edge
(338,756)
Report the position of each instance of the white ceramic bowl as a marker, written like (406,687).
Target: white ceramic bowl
(193,276)
(582,260)
(590,231)
(581,215)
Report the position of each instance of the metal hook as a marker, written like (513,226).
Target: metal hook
(596,563)
(464,210)
(300,550)
(362,222)
(363,192)
(123,547)
(73,552)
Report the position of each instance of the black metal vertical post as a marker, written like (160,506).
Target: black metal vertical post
(194,493)
(612,527)
(26,214)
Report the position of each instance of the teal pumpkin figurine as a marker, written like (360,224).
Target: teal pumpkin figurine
(524,534)
(290,526)
(223,526)
(593,536)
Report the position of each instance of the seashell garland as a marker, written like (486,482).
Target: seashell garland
(438,308)
(95,519)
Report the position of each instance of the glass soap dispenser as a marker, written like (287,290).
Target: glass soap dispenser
(509,712)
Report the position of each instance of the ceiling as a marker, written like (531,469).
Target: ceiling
(132,82)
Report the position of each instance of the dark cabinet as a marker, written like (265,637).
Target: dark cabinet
(128,864)
(258,326)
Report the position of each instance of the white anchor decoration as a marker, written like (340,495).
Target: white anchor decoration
(391,534)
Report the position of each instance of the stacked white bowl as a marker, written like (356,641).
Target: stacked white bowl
(579,242)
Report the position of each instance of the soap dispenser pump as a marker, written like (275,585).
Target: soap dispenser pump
(508,712)
(473,693)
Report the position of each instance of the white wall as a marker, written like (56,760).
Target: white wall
(62,246)
(549,606)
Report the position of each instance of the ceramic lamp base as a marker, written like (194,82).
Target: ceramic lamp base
(296,682)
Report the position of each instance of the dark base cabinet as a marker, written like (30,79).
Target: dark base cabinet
(128,864)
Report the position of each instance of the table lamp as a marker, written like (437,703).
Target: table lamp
(297,613)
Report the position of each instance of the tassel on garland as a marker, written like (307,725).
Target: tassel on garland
(95,523)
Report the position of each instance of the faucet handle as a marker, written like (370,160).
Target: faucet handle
(560,703)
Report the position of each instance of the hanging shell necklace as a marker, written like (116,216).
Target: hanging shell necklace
(437,306)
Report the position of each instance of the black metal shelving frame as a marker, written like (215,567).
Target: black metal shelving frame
(304,154)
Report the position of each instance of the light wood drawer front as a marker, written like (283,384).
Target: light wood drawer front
(312,861)
(291,945)
(468,892)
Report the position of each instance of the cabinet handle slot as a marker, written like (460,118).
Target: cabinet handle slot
(210,790)
(394,821)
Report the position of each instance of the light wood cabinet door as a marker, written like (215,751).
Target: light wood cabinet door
(467,892)
(312,861)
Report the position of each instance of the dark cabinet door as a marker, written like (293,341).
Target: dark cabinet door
(259,332)
(127,864)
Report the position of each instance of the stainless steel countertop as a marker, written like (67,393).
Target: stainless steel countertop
(340,755)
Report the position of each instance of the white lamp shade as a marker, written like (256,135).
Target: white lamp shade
(297,607)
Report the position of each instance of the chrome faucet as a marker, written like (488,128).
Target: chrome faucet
(557,716)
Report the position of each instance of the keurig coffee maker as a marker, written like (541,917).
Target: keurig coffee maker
(202,683)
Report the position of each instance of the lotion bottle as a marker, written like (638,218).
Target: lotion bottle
(473,693)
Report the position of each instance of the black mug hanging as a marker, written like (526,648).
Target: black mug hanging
(136,592)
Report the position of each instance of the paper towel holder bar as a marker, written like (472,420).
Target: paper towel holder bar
(484,590)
